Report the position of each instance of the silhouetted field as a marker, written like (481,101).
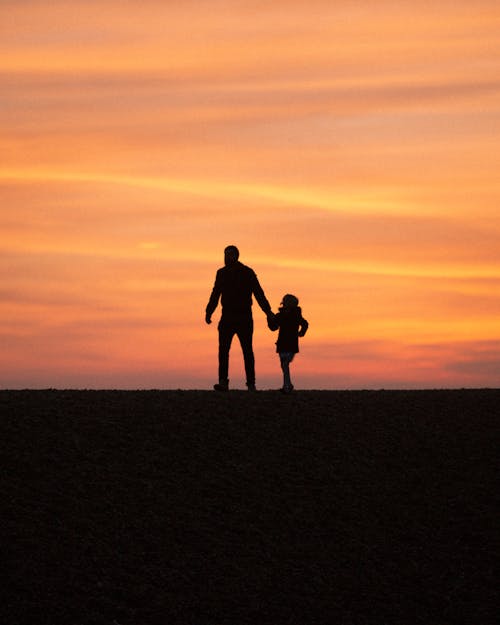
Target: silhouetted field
(159,507)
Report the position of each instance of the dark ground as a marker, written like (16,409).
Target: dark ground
(160,507)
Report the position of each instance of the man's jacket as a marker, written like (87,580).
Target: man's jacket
(235,284)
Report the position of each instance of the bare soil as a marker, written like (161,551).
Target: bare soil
(192,507)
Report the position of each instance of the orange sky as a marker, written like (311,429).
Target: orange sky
(349,149)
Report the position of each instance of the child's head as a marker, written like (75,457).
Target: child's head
(289,301)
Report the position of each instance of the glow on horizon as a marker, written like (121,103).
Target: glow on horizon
(351,154)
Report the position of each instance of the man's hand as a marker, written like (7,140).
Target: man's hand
(208,318)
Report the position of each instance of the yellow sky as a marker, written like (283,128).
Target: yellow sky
(349,149)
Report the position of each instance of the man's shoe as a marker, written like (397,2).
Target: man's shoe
(287,389)
(251,387)
(221,386)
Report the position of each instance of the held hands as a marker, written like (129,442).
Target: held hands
(271,320)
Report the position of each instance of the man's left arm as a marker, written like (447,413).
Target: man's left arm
(259,295)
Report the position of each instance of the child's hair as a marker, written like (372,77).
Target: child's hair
(289,301)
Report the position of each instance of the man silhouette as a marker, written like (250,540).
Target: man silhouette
(235,284)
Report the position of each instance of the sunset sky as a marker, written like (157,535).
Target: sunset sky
(350,149)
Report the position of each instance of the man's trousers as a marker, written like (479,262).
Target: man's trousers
(242,326)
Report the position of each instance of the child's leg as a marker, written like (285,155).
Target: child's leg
(285,366)
(285,360)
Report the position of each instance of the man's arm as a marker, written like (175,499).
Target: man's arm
(214,299)
(259,295)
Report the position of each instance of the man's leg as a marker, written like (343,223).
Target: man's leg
(245,335)
(226,333)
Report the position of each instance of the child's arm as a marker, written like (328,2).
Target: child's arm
(303,326)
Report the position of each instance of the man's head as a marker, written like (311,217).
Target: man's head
(231,255)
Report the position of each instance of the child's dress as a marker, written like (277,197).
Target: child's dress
(291,325)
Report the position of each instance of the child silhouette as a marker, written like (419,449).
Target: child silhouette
(291,325)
